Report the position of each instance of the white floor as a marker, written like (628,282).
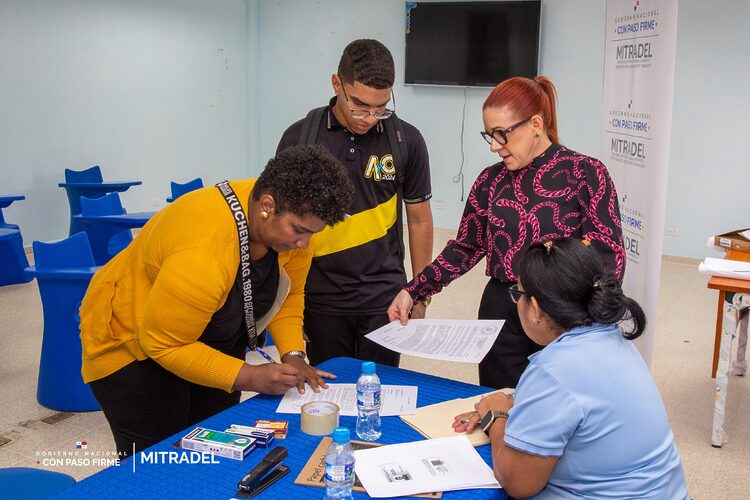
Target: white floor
(681,365)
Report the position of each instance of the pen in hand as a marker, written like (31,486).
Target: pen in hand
(265,355)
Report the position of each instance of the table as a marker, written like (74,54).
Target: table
(5,202)
(220,480)
(125,221)
(723,344)
(75,190)
(105,227)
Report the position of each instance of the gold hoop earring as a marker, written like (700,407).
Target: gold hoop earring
(264,214)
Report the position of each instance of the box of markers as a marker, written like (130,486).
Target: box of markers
(223,444)
(279,427)
(263,437)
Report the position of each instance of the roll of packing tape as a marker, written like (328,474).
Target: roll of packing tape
(319,418)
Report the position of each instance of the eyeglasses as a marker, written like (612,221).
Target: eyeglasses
(516,294)
(501,135)
(381,113)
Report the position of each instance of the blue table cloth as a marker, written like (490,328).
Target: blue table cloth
(136,479)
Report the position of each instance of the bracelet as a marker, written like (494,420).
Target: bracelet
(300,354)
(426,301)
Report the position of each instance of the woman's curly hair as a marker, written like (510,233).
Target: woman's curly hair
(307,180)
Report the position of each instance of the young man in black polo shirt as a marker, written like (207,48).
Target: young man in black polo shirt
(358,266)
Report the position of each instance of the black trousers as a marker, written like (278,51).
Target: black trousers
(333,336)
(144,404)
(508,356)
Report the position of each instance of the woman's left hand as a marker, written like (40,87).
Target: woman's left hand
(467,422)
(308,374)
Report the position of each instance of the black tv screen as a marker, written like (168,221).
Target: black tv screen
(471,44)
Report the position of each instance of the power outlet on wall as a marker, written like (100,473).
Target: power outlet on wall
(672,231)
(440,205)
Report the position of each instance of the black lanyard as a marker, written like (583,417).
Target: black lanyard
(244,237)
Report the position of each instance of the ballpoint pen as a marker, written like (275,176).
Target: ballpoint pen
(265,355)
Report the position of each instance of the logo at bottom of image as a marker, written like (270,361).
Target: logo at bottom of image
(79,456)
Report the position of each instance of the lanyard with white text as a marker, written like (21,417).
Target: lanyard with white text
(247,287)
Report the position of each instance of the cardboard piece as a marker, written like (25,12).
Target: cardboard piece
(313,473)
(734,240)
(436,421)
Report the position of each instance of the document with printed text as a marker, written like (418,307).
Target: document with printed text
(394,399)
(443,464)
(444,339)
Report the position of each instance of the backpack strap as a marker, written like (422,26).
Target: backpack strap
(311,126)
(397,141)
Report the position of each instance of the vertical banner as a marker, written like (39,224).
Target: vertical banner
(639,62)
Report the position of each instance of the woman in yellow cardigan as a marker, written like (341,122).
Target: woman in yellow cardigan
(163,324)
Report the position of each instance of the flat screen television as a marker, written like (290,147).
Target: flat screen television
(471,44)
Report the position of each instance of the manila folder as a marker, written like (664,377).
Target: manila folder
(436,421)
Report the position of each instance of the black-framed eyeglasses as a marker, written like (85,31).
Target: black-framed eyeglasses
(501,135)
(516,294)
(381,113)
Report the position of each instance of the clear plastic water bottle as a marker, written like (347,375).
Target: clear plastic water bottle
(339,476)
(368,403)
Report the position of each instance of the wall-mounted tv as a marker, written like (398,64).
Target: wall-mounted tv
(471,44)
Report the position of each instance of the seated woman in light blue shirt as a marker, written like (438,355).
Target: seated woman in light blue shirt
(587,420)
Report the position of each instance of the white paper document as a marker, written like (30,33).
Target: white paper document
(443,464)
(444,339)
(394,399)
(725,268)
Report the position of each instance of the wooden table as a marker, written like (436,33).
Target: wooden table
(724,285)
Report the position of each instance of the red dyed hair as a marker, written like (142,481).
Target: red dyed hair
(525,97)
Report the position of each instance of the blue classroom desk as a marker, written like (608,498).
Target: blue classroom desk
(219,481)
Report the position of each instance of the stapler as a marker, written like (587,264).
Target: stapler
(263,475)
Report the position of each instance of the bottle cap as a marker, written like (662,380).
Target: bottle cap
(341,435)
(368,367)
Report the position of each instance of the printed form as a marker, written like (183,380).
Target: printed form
(395,399)
(445,339)
(443,464)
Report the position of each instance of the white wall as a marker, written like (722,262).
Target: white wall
(300,44)
(150,90)
(157,90)
(709,174)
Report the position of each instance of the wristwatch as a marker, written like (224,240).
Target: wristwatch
(489,419)
(426,301)
(300,354)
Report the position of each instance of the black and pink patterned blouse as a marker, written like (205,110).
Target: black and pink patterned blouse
(561,193)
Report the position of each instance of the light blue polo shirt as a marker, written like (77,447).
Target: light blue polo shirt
(589,399)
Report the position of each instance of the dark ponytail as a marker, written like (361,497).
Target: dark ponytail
(568,281)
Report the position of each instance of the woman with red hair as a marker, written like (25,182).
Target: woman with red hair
(539,190)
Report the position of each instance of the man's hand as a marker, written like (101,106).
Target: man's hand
(401,307)
(270,378)
(307,374)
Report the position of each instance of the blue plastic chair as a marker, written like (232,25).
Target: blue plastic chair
(27,483)
(180,189)
(91,174)
(107,240)
(5,202)
(12,258)
(63,270)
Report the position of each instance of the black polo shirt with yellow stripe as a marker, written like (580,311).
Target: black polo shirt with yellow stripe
(357,267)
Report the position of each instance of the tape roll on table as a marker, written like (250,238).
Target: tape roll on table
(319,418)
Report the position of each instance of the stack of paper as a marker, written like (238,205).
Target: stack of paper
(436,421)
(444,464)
(726,268)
